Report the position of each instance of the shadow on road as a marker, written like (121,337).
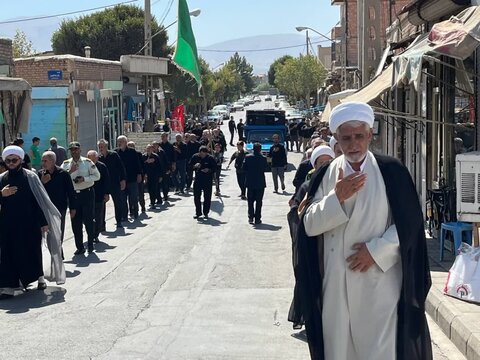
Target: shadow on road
(84,261)
(118,232)
(72,274)
(103,247)
(211,222)
(34,299)
(217,206)
(267,227)
(301,335)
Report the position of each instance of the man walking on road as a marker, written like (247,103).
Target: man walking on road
(102,193)
(204,166)
(372,286)
(116,171)
(83,173)
(59,151)
(232,128)
(239,156)
(240,127)
(152,168)
(279,162)
(254,167)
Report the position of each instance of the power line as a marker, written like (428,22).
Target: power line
(258,50)
(65,14)
(166,12)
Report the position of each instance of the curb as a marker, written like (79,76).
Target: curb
(459,320)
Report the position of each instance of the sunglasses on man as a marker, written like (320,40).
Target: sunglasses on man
(12,161)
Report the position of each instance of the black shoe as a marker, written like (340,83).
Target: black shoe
(96,240)
(135,216)
(244,197)
(79,252)
(205,216)
(119,226)
(196,216)
(275,191)
(41,286)
(250,220)
(90,249)
(258,222)
(5,296)
(283,187)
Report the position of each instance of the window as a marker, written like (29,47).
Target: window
(371,12)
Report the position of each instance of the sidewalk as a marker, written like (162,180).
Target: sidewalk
(459,320)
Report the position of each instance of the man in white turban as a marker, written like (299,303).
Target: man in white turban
(363,295)
(26,213)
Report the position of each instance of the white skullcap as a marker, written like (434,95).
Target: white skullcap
(319,151)
(351,111)
(332,143)
(13,150)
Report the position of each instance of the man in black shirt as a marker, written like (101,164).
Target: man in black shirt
(204,165)
(179,177)
(192,148)
(279,162)
(59,186)
(240,127)
(152,168)
(254,166)
(239,156)
(141,184)
(133,174)
(232,128)
(102,193)
(116,171)
(170,154)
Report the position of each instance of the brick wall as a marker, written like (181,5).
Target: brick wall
(6,54)
(35,70)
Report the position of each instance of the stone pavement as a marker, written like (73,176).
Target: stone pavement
(459,320)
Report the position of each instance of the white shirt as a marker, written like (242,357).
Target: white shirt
(86,169)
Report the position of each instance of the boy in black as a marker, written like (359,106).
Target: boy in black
(204,166)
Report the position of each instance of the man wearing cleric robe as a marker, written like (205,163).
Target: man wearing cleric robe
(363,271)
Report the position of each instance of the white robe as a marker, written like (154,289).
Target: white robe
(359,309)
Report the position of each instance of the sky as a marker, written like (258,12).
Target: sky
(220,20)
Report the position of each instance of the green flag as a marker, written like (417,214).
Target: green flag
(2,119)
(185,56)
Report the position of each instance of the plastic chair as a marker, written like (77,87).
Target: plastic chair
(457,228)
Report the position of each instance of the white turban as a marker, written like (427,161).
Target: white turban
(332,143)
(13,150)
(351,111)
(319,151)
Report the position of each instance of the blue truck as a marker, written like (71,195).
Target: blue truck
(261,125)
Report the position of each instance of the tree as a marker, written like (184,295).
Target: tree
(21,45)
(110,33)
(239,65)
(300,77)
(273,68)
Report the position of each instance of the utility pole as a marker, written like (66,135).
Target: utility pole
(361,39)
(308,51)
(149,94)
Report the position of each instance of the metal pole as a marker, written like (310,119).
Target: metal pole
(308,52)
(149,95)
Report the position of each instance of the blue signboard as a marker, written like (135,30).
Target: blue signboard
(54,74)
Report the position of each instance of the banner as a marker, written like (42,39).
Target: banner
(185,56)
(178,119)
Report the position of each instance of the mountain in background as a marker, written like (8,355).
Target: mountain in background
(284,44)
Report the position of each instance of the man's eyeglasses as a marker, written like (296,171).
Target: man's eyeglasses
(12,161)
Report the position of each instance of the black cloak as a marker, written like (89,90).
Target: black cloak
(413,337)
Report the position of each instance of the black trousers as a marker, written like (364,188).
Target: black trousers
(231,137)
(153,189)
(241,178)
(99,216)
(165,185)
(63,214)
(131,193)
(141,194)
(255,200)
(85,206)
(118,204)
(206,188)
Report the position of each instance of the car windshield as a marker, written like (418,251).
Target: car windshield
(220,107)
(212,113)
(261,137)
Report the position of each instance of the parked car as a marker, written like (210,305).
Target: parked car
(238,106)
(268,98)
(215,115)
(223,109)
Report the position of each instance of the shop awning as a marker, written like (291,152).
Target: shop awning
(334,100)
(368,93)
(14,84)
(457,37)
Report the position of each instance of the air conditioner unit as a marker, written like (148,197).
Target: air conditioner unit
(468,186)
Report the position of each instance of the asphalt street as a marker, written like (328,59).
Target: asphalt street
(171,287)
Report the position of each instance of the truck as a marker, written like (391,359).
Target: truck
(261,125)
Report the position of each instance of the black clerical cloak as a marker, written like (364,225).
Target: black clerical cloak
(413,337)
(21,219)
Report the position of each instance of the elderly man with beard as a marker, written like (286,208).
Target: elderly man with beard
(25,215)
(58,185)
(363,269)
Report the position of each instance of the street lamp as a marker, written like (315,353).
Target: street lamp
(194,13)
(306,28)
